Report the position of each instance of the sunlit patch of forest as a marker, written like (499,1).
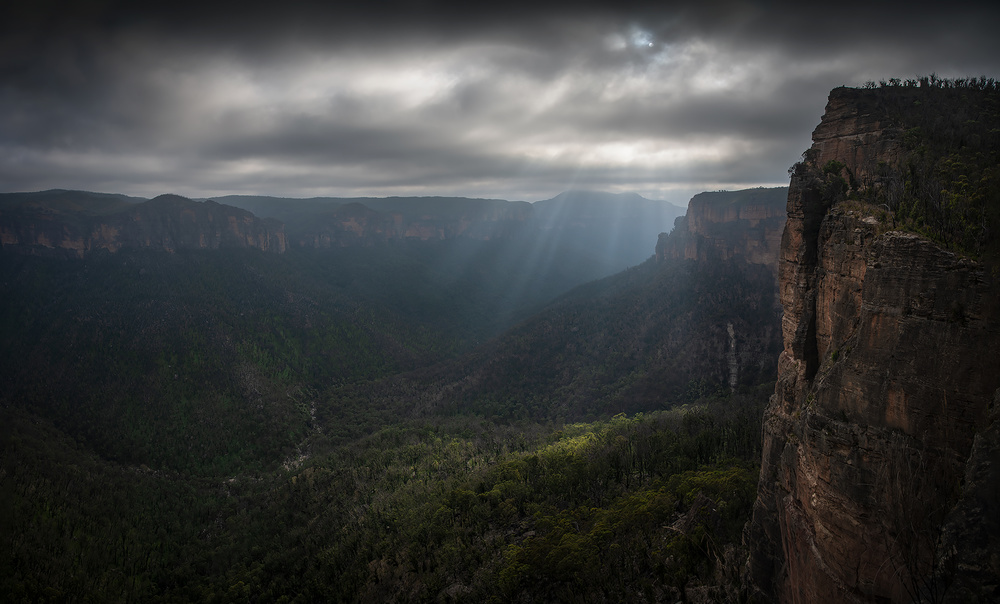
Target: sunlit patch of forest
(443,509)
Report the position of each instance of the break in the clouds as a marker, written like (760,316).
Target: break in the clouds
(517,102)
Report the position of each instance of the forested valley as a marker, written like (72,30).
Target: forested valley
(377,424)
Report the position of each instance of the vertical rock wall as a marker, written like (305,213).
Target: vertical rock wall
(891,359)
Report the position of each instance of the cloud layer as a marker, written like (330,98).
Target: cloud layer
(415,98)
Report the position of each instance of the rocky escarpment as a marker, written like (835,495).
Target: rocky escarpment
(740,230)
(729,224)
(879,471)
(613,229)
(168,223)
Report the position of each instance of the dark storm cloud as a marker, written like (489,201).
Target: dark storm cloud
(515,99)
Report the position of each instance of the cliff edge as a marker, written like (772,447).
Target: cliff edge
(879,476)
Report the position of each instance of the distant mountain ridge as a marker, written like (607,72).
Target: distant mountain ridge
(619,227)
(77,223)
(609,231)
(69,200)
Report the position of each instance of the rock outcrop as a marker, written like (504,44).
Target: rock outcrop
(880,449)
(168,222)
(729,224)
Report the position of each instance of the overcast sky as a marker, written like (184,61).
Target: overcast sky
(520,101)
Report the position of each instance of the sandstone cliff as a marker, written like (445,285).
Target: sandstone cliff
(738,231)
(880,449)
(54,225)
(729,224)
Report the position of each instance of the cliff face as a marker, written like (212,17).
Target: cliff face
(856,129)
(729,224)
(879,445)
(168,223)
(734,235)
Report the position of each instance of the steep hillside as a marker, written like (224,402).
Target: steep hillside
(879,443)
